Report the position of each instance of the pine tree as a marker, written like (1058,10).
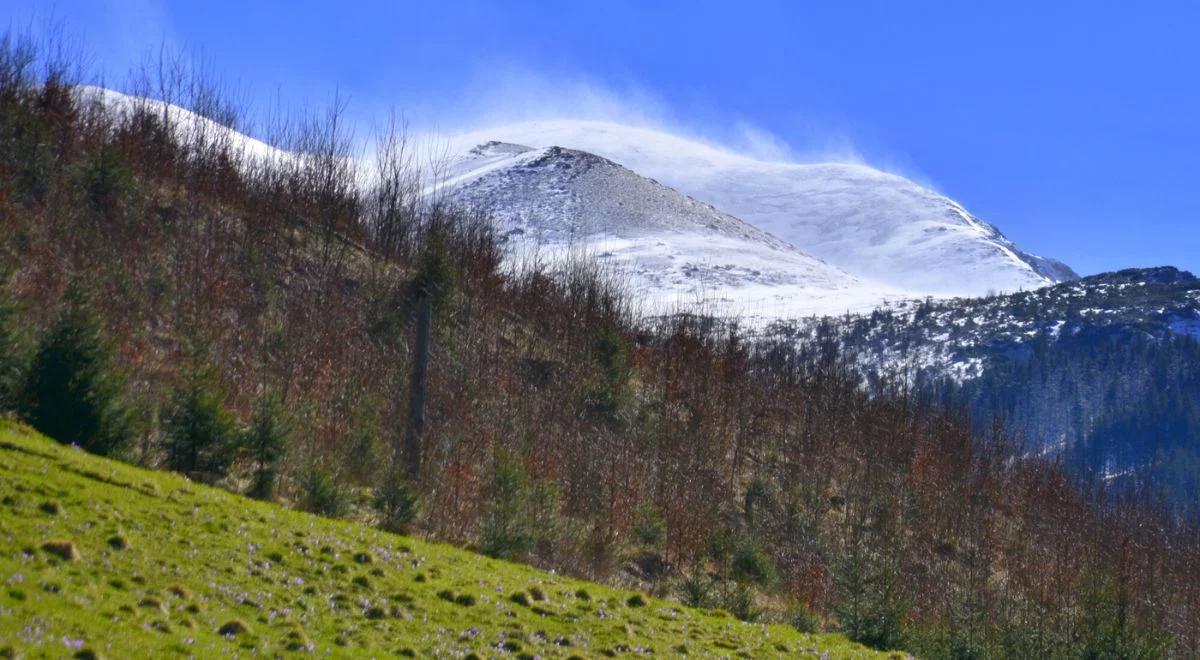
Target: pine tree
(871,609)
(1107,628)
(520,512)
(396,501)
(435,276)
(266,442)
(72,392)
(507,529)
(605,399)
(324,492)
(200,434)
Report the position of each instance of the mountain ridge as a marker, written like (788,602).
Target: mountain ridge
(1103,371)
(857,238)
(676,252)
(873,224)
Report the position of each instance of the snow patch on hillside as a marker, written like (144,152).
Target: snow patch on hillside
(187,126)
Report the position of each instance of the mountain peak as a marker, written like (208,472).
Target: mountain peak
(671,249)
(497,148)
(873,224)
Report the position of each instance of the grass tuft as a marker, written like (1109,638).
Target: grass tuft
(297,640)
(61,548)
(375,612)
(233,628)
(152,603)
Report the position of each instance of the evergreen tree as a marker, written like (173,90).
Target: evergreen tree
(508,530)
(105,180)
(871,609)
(1107,629)
(605,399)
(72,393)
(519,513)
(266,442)
(200,434)
(435,273)
(364,454)
(396,501)
(323,492)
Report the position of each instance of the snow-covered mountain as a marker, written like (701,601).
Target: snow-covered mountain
(724,233)
(674,251)
(186,126)
(876,226)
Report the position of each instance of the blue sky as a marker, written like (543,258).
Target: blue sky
(1073,126)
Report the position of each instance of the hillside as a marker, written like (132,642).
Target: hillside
(874,225)
(261,325)
(149,564)
(960,338)
(1102,370)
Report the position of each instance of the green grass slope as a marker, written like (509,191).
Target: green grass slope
(101,559)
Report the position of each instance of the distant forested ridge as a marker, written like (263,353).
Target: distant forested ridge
(1103,371)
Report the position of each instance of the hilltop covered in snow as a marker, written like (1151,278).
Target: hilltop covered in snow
(675,252)
(695,227)
(876,226)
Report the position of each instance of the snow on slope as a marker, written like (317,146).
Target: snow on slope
(864,226)
(872,224)
(186,125)
(674,251)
